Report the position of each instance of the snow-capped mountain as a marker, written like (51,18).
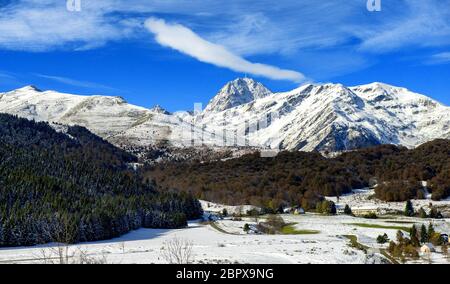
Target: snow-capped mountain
(245,113)
(334,117)
(109,117)
(236,93)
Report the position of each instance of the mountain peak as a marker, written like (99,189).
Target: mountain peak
(237,92)
(29,88)
(244,80)
(159,109)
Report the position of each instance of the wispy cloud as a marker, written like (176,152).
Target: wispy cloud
(186,41)
(76,83)
(5,75)
(7,78)
(412,24)
(287,28)
(33,25)
(284,27)
(439,58)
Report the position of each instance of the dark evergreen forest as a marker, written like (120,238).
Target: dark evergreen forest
(76,187)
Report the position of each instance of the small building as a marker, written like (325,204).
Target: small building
(299,211)
(427,248)
(287,210)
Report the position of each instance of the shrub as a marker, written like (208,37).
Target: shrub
(382,239)
(224,212)
(370,215)
(410,251)
(273,224)
(326,207)
(348,210)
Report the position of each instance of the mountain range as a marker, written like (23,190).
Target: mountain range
(313,117)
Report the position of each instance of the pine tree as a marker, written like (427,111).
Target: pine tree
(423,234)
(413,236)
(435,214)
(430,231)
(246,228)
(348,210)
(224,212)
(409,209)
(422,213)
(333,210)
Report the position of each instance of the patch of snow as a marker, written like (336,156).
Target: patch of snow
(218,208)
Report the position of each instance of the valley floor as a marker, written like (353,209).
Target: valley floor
(318,239)
(225,242)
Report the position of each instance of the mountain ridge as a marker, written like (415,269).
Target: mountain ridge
(312,117)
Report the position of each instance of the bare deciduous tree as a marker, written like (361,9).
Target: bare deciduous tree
(122,247)
(177,251)
(63,254)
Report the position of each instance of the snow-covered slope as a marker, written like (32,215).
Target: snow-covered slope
(417,118)
(333,117)
(310,118)
(110,117)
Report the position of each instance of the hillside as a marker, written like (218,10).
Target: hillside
(73,186)
(305,178)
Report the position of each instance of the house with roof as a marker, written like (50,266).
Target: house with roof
(427,248)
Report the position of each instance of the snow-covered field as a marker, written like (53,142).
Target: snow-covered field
(211,245)
(361,198)
(226,242)
(218,208)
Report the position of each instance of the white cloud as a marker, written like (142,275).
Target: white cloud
(184,40)
(286,29)
(76,83)
(247,27)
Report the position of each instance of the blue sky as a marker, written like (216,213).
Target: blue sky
(175,52)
